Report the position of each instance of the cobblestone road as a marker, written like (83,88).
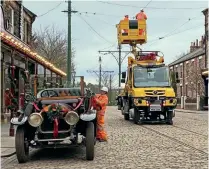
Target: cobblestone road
(183,146)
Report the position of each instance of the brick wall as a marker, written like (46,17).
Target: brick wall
(191,81)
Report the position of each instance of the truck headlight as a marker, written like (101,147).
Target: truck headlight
(71,118)
(35,119)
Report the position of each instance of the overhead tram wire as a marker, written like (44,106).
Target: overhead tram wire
(147,4)
(95,13)
(95,30)
(156,40)
(103,21)
(50,10)
(121,16)
(110,46)
(181,25)
(171,32)
(126,5)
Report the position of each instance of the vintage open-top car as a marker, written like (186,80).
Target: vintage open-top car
(58,117)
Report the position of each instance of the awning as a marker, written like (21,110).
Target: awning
(11,40)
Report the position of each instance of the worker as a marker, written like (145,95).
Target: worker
(141,15)
(126,17)
(101,101)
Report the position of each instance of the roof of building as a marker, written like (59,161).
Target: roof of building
(188,56)
(29,12)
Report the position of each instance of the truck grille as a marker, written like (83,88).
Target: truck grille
(48,126)
(155,92)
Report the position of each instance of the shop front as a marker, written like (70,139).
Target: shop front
(18,64)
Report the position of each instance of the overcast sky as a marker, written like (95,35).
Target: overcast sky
(163,19)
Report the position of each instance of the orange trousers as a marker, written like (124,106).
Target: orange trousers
(101,133)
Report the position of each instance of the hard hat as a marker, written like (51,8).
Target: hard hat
(7,88)
(105,89)
(142,10)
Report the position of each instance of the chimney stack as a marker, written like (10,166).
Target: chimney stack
(191,47)
(200,43)
(197,43)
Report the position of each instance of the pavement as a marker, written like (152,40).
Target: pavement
(184,145)
(7,142)
(190,111)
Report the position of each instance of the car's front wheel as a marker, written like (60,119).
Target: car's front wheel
(90,141)
(21,145)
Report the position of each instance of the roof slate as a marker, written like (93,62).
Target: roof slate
(188,56)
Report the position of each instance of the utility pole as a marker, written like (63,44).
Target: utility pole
(118,59)
(119,48)
(100,74)
(100,71)
(69,48)
(110,92)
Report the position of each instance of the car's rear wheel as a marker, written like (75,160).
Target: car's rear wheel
(90,141)
(21,145)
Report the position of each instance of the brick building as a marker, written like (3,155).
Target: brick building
(191,69)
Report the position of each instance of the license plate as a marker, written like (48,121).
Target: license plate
(155,107)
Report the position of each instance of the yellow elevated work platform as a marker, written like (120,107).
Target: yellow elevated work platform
(132,32)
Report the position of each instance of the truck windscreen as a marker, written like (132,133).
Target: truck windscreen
(151,77)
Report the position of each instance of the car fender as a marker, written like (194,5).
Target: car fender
(91,115)
(15,121)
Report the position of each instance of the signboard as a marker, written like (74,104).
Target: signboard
(150,56)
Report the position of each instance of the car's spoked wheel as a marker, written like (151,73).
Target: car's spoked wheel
(90,141)
(21,145)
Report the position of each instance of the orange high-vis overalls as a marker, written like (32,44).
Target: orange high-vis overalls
(141,16)
(102,101)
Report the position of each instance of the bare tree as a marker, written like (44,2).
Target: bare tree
(51,43)
(106,79)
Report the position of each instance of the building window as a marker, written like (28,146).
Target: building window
(25,31)
(181,90)
(186,90)
(181,71)
(10,22)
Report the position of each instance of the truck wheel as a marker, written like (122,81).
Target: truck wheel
(21,145)
(136,117)
(90,141)
(169,118)
(126,116)
(170,122)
